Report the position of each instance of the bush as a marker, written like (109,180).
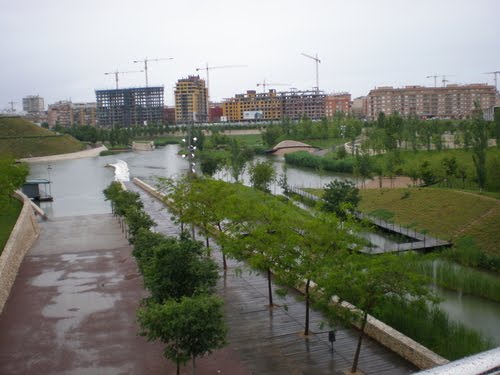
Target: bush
(328,163)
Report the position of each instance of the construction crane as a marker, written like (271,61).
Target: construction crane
(444,80)
(435,79)
(317,60)
(208,68)
(117,72)
(12,110)
(495,77)
(264,84)
(146,60)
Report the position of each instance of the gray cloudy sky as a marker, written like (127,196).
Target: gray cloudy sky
(60,49)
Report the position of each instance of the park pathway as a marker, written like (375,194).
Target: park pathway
(270,342)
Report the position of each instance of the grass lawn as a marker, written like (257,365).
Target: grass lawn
(8,218)
(445,213)
(247,139)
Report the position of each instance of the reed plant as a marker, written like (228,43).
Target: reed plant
(433,328)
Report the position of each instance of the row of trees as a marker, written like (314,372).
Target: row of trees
(182,310)
(295,246)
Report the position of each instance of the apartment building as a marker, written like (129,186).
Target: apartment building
(191,100)
(246,106)
(33,104)
(340,102)
(128,107)
(274,105)
(66,114)
(450,102)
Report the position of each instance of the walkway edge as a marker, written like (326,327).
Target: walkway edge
(387,336)
(20,241)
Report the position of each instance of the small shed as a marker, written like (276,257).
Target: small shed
(38,189)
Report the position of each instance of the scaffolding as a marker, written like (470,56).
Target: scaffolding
(128,107)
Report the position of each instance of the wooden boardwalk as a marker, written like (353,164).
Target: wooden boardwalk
(269,342)
(418,241)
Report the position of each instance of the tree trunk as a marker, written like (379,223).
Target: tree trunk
(194,366)
(306,330)
(360,339)
(178,368)
(224,260)
(207,242)
(269,288)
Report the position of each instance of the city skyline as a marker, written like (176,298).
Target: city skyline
(61,50)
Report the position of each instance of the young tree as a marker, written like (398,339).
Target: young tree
(311,244)
(137,219)
(369,281)
(270,135)
(177,269)
(479,142)
(340,197)
(262,174)
(177,197)
(190,328)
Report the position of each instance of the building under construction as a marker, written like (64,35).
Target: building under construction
(275,105)
(128,107)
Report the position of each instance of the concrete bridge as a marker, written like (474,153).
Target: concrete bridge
(287,147)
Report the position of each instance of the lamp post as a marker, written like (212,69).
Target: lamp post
(49,168)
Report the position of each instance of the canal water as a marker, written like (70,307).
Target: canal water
(77,187)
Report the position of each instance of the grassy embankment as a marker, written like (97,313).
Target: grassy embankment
(8,217)
(20,139)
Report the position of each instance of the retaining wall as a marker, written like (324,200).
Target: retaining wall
(22,237)
(404,346)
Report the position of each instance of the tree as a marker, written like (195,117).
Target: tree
(311,244)
(426,173)
(145,242)
(367,282)
(271,135)
(450,168)
(237,160)
(177,269)
(479,143)
(137,219)
(262,174)
(210,163)
(190,328)
(12,177)
(340,197)
(177,197)
(363,167)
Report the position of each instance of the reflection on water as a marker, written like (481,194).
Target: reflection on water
(77,187)
(475,312)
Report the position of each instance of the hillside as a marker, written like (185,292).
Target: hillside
(445,213)
(20,138)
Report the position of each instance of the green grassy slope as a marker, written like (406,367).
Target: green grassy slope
(445,213)
(20,138)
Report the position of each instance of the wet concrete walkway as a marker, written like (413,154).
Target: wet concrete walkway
(270,342)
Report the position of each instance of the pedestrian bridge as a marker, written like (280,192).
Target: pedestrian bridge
(287,147)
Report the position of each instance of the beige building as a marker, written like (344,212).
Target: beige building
(191,100)
(451,101)
(65,113)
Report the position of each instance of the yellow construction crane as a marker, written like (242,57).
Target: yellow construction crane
(208,68)
(495,77)
(117,72)
(146,60)
(264,84)
(318,61)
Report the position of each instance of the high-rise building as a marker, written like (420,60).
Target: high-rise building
(297,104)
(128,107)
(340,102)
(451,101)
(33,104)
(359,107)
(191,100)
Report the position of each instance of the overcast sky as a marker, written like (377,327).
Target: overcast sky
(60,49)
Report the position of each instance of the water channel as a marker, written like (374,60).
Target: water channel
(77,187)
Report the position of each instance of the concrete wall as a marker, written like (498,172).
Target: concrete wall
(404,346)
(143,146)
(22,237)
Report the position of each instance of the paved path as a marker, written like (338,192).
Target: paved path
(270,342)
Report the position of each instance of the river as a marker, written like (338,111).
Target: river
(77,187)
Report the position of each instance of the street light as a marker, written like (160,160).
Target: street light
(190,154)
